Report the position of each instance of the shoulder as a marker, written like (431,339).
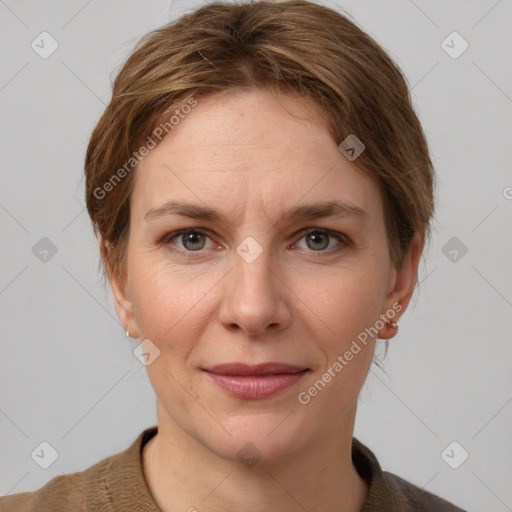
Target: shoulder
(114,483)
(409,497)
(65,493)
(388,492)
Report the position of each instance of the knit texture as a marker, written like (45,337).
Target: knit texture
(116,484)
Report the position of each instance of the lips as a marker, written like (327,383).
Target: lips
(241,369)
(255,381)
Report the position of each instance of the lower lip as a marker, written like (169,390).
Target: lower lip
(252,387)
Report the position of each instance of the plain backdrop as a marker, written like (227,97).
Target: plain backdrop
(68,375)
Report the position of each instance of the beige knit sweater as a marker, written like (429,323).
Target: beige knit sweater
(116,484)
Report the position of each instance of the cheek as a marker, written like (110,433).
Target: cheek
(343,313)
(168,304)
(170,310)
(345,302)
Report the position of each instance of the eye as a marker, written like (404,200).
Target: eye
(195,240)
(191,239)
(320,240)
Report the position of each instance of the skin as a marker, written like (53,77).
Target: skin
(302,301)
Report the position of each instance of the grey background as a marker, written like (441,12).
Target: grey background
(68,375)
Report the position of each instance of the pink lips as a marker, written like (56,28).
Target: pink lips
(255,381)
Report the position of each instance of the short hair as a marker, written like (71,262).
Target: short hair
(290,47)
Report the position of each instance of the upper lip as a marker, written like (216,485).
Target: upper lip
(242,369)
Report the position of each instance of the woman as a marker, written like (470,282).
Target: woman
(262,190)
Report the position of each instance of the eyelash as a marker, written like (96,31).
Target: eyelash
(343,240)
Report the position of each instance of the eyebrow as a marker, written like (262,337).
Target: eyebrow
(338,209)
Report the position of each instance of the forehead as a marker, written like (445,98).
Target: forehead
(239,149)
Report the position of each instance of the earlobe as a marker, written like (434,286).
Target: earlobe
(123,305)
(402,288)
(122,300)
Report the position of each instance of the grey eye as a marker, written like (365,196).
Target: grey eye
(193,240)
(317,240)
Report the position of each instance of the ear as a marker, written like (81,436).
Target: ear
(401,286)
(122,299)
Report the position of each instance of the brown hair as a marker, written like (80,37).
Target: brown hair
(293,46)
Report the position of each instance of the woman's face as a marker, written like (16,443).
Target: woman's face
(260,275)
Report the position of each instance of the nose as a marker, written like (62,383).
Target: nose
(255,298)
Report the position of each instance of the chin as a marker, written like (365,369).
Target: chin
(260,439)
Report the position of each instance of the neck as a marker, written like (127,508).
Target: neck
(183,474)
